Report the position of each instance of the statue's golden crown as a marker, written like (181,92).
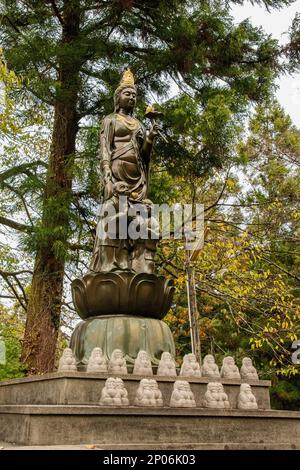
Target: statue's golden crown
(127,79)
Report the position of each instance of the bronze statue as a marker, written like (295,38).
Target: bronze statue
(121,299)
(125,150)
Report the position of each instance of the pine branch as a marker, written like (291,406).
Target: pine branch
(281,269)
(221,193)
(15,225)
(15,273)
(11,188)
(22,301)
(57,12)
(78,246)
(21,169)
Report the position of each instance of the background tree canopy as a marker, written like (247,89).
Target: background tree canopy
(230,146)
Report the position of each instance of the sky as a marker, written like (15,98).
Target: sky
(277,24)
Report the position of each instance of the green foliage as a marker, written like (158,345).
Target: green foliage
(247,272)
(11,330)
(285,394)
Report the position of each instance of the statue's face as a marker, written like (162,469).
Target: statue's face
(191,358)
(117,354)
(229,361)
(110,384)
(127,99)
(97,353)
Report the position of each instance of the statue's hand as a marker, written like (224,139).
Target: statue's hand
(107,175)
(154,131)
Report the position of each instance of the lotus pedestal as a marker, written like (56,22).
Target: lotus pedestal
(130,334)
(122,310)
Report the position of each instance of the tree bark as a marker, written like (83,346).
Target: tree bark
(44,306)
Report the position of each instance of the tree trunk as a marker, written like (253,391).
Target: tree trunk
(44,307)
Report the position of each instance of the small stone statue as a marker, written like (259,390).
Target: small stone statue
(229,370)
(114,393)
(122,392)
(182,395)
(148,394)
(117,363)
(142,364)
(215,397)
(248,371)
(210,368)
(157,395)
(190,367)
(97,361)
(67,361)
(167,365)
(246,399)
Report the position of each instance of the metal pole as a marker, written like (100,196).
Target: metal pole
(193,310)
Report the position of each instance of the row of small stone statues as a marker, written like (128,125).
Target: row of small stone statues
(148,394)
(166,367)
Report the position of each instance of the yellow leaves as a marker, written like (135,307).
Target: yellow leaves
(255,343)
(266,273)
(295,215)
(8,80)
(7,76)
(231,184)
(276,204)
(207,308)
(180,281)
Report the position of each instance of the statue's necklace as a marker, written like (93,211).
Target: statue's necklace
(131,124)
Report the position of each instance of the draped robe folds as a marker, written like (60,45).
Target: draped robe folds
(129,164)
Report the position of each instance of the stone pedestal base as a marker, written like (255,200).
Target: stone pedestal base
(63,409)
(130,334)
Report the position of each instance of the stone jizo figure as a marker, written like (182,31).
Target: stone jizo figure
(246,399)
(157,395)
(190,367)
(114,393)
(142,364)
(67,362)
(117,363)
(182,395)
(210,368)
(167,365)
(229,370)
(97,361)
(148,394)
(248,371)
(122,392)
(215,397)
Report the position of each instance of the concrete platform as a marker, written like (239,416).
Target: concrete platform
(145,428)
(80,388)
(62,409)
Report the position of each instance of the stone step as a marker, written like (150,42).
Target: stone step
(150,428)
(161,447)
(79,388)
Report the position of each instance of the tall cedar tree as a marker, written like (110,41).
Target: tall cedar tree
(70,54)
